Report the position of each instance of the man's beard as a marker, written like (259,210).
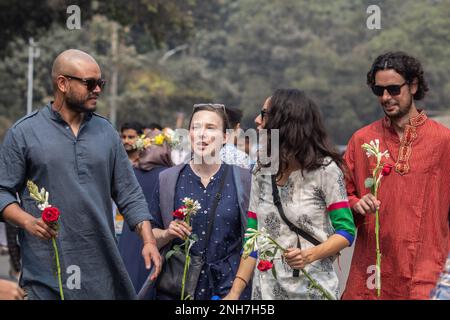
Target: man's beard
(402,111)
(78,105)
(130,148)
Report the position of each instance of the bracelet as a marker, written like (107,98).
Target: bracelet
(245,281)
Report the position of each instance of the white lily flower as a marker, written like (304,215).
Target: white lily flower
(43,206)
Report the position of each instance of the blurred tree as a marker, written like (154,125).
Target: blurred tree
(233,52)
(152,22)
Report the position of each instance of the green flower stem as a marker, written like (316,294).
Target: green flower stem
(277,244)
(378,251)
(61,292)
(314,283)
(186,268)
(187,261)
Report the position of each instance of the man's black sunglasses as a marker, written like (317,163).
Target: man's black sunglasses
(91,84)
(394,90)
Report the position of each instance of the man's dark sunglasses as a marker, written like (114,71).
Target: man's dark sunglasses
(91,84)
(394,90)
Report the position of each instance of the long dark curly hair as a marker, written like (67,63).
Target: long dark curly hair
(407,66)
(302,133)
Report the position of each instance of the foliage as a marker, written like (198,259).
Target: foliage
(234,52)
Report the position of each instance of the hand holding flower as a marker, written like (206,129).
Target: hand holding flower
(178,229)
(297,258)
(267,248)
(367,204)
(45,227)
(181,227)
(38,228)
(382,169)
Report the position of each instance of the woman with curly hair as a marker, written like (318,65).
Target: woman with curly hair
(313,220)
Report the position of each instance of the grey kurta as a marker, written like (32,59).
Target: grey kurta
(82,174)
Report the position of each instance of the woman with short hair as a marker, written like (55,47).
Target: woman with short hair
(222,191)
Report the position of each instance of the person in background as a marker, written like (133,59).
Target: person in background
(129,133)
(152,161)
(245,144)
(152,127)
(230,153)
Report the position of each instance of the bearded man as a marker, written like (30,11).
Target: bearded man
(413,200)
(78,157)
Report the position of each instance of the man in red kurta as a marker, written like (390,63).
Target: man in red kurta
(413,201)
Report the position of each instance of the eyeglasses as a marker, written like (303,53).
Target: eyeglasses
(394,90)
(263,113)
(212,105)
(91,84)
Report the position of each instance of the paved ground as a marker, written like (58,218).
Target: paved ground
(4,266)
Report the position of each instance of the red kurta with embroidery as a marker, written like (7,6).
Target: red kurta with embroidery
(414,211)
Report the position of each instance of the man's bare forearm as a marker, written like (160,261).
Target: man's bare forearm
(162,237)
(144,230)
(14,214)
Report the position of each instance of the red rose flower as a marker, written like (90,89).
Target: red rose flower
(387,168)
(264,265)
(50,215)
(179,214)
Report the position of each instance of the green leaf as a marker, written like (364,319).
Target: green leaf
(194,237)
(169,254)
(368,183)
(274,272)
(270,254)
(176,247)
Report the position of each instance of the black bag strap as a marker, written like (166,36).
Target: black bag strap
(212,212)
(277,202)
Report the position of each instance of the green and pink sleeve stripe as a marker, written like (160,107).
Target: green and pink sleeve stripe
(252,222)
(342,220)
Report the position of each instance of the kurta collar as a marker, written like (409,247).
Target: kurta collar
(402,165)
(54,115)
(415,121)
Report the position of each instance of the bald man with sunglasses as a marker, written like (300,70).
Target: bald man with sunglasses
(78,157)
(413,200)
